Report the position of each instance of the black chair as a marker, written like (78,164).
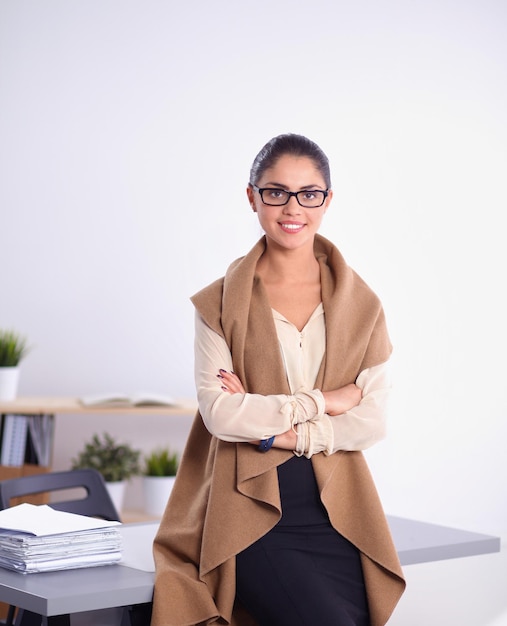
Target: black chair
(96,503)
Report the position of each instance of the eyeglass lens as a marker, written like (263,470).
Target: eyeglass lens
(278,197)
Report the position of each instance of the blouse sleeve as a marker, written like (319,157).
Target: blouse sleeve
(242,417)
(365,424)
(357,429)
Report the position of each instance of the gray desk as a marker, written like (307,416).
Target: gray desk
(420,542)
(131,582)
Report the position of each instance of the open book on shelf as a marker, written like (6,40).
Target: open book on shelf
(136,399)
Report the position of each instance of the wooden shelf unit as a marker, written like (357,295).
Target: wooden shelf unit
(63,405)
(72,406)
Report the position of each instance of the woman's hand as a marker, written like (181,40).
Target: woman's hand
(286,441)
(232,384)
(343,399)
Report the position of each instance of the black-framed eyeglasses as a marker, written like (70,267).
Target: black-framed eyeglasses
(309,198)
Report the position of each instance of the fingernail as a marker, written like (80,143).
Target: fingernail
(219,376)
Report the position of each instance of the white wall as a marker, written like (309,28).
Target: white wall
(127,130)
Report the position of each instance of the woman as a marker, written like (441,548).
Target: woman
(274,519)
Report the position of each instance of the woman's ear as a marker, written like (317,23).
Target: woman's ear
(328,199)
(251,197)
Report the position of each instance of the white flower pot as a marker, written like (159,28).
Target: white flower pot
(9,379)
(117,492)
(156,491)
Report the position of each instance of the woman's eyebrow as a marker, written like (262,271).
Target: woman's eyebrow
(303,188)
(273,184)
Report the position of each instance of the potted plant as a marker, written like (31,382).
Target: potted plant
(116,462)
(159,476)
(13,349)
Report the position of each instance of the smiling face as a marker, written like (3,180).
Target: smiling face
(290,226)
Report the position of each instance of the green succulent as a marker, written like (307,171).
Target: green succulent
(114,461)
(13,348)
(161,463)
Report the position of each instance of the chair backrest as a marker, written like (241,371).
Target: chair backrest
(96,503)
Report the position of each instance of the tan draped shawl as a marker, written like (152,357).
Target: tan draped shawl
(226,495)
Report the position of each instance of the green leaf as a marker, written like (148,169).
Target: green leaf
(13,348)
(161,462)
(113,460)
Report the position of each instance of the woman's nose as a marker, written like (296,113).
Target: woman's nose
(292,206)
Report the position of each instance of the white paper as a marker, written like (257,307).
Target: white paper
(36,538)
(41,520)
(55,564)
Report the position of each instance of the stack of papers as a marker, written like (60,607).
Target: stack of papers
(36,538)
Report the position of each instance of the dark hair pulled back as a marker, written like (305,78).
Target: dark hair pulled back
(295,145)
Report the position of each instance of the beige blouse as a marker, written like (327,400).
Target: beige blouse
(249,417)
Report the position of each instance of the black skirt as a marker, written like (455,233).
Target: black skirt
(302,572)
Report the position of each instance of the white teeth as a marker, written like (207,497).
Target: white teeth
(292,226)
